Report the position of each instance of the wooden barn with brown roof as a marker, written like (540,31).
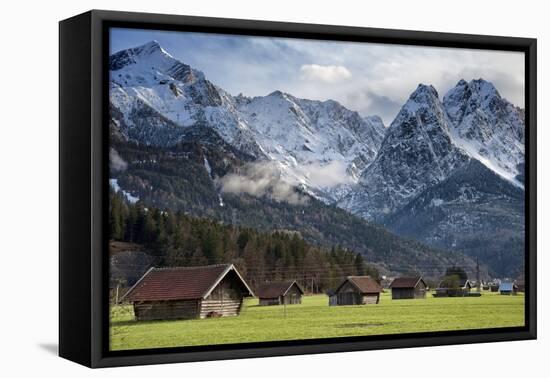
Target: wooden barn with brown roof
(188,293)
(358,290)
(277,293)
(408,288)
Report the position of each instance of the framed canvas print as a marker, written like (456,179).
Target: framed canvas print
(233,188)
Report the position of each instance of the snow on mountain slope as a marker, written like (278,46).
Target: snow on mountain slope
(474,211)
(320,146)
(488,127)
(416,153)
(148,79)
(445,175)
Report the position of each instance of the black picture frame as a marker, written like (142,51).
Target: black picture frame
(83,167)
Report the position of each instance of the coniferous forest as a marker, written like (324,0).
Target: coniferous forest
(178,239)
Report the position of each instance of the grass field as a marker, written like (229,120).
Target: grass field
(315,319)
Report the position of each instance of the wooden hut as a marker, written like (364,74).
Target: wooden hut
(277,293)
(188,293)
(508,288)
(447,288)
(408,288)
(358,290)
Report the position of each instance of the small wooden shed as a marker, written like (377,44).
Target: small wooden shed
(277,293)
(408,288)
(508,288)
(446,288)
(188,293)
(358,290)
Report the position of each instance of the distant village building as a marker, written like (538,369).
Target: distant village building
(277,293)
(508,288)
(448,288)
(358,290)
(408,288)
(188,293)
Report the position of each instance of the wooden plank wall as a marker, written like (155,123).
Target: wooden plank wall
(269,301)
(164,310)
(371,299)
(216,307)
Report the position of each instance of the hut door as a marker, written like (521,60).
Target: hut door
(348,298)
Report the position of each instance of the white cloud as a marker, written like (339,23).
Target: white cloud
(261,180)
(327,74)
(325,176)
(116,162)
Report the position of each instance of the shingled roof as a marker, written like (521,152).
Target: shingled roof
(276,289)
(365,284)
(406,282)
(180,283)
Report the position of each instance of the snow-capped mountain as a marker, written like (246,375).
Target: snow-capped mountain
(488,127)
(320,146)
(417,153)
(158,96)
(446,174)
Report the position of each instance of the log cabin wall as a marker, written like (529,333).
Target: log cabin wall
(270,301)
(348,295)
(165,310)
(370,299)
(225,300)
(403,293)
(293,296)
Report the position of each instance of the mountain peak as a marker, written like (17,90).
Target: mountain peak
(425,96)
(153,44)
(276,93)
(478,88)
(423,90)
(487,126)
(478,93)
(484,88)
(133,55)
(150,48)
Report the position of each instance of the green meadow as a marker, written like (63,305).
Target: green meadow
(314,319)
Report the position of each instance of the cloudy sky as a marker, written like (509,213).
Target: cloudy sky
(369,78)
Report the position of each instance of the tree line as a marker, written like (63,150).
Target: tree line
(179,239)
